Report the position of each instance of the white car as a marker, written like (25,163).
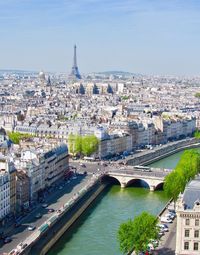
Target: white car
(170,216)
(165,220)
(163,227)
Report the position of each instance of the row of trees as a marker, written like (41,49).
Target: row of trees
(16,137)
(82,145)
(186,169)
(137,234)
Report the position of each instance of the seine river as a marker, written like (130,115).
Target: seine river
(95,233)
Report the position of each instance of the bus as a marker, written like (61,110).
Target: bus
(142,168)
(89,158)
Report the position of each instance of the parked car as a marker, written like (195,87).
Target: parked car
(83,165)
(31,228)
(7,239)
(163,227)
(51,210)
(170,215)
(165,220)
(24,245)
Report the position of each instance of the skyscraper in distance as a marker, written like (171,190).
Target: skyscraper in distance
(75,72)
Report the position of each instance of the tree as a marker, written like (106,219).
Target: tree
(173,185)
(71,143)
(85,145)
(137,234)
(125,236)
(187,168)
(197,134)
(89,144)
(197,95)
(16,137)
(78,144)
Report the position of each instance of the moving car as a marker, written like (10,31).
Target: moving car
(31,228)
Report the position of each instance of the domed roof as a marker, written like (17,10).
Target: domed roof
(42,75)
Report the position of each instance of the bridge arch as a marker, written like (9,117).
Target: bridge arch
(159,186)
(138,183)
(111,179)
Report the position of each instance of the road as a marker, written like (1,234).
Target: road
(167,244)
(55,200)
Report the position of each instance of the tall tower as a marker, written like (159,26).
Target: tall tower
(75,72)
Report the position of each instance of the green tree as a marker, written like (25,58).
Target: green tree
(187,168)
(125,236)
(197,95)
(16,137)
(89,144)
(136,235)
(173,185)
(71,143)
(197,134)
(78,144)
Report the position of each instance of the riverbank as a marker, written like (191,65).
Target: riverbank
(150,156)
(47,239)
(64,225)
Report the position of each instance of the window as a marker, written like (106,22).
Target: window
(196,246)
(197,222)
(187,232)
(186,246)
(187,222)
(196,233)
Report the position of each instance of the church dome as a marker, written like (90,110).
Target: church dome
(42,75)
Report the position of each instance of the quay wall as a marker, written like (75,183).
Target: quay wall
(151,156)
(46,241)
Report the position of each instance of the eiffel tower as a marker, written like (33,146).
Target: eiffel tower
(75,72)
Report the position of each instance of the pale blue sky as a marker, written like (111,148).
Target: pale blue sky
(141,36)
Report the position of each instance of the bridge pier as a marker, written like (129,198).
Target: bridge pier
(123,185)
(152,187)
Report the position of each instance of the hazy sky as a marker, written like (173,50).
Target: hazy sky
(141,36)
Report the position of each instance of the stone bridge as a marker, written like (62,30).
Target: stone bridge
(153,177)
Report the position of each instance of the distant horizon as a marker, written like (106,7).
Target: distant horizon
(99,72)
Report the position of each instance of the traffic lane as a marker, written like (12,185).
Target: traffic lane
(93,167)
(55,201)
(90,167)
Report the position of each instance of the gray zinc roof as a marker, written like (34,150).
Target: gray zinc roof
(192,193)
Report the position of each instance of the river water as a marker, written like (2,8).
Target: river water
(95,233)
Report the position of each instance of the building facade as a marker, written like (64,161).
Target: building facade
(22,191)
(4,194)
(188,220)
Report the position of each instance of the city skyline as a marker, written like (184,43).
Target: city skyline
(149,37)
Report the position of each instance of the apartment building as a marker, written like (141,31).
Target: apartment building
(4,193)
(188,220)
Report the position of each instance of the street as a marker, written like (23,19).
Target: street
(55,201)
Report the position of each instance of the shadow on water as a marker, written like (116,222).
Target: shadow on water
(68,235)
(138,183)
